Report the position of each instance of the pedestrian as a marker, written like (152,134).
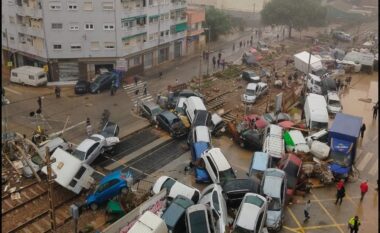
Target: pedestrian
(251,37)
(251,42)
(220,55)
(39,102)
(375,110)
(88,121)
(306,210)
(278,36)
(241,43)
(256,32)
(218,63)
(176,81)
(354,224)
(137,92)
(244,44)
(214,61)
(113,88)
(340,184)
(362,129)
(89,128)
(339,195)
(204,55)
(136,80)
(338,84)
(145,91)
(247,43)
(363,189)
(233,47)
(160,74)
(223,63)
(57,92)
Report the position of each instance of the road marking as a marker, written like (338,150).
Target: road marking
(328,213)
(364,161)
(322,226)
(290,229)
(295,219)
(13,91)
(373,169)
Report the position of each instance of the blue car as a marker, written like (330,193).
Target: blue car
(110,186)
(201,175)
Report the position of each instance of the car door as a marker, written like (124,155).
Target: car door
(92,153)
(166,124)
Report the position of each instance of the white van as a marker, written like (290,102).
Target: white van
(217,166)
(199,134)
(273,141)
(315,110)
(149,223)
(70,172)
(314,84)
(29,75)
(191,105)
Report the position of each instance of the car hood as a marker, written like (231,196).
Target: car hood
(273,217)
(249,98)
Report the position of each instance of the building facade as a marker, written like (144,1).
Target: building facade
(252,6)
(77,38)
(195,32)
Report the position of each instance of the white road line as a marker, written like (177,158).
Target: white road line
(364,161)
(13,91)
(373,169)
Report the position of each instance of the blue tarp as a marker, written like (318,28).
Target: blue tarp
(336,168)
(346,127)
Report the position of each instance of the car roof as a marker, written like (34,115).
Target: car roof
(169,115)
(202,133)
(113,175)
(252,184)
(150,104)
(272,186)
(260,161)
(249,212)
(219,158)
(251,86)
(176,209)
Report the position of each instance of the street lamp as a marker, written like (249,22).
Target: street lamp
(208,46)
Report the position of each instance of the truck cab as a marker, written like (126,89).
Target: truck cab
(333,103)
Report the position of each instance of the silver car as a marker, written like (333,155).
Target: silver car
(273,186)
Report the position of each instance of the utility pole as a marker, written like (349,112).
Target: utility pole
(158,29)
(50,180)
(308,71)
(208,46)
(200,70)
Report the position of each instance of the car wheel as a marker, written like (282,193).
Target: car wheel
(94,206)
(124,190)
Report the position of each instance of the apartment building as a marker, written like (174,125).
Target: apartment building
(195,32)
(77,38)
(252,6)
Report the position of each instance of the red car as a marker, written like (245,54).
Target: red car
(291,165)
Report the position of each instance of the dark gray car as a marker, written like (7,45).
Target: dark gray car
(235,189)
(174,215)
(170,122)
(150,111)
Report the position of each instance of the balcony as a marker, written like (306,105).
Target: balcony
(32,31)
(193,32)
(135,30)
(28,11)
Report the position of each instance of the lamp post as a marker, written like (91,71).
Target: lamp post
(208,46)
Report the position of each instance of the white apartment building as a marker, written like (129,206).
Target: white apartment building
(76,38)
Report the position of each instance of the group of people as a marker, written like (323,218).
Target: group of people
(220,62)
(354,222)
(145,92)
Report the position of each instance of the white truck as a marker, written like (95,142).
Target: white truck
(29,75)
(301,62)
(315,110)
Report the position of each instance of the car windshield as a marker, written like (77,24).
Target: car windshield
(79,154)
(250,92)
(340,158)
(239,229)
(227,175)
(156,111)
(168,184)
(334,103)
(198,222)
(274,204)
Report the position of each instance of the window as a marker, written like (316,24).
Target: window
(212,166)
(109,45)
(108,27)
(11,38)
(72,6)
(14,74)
(88,26)
(87,6)
(136,60)
(107,6)
(12,19)
(31,77)
(57,46)
(162,34)
(75,46)
(55,6)
(95,45)
(56,26)
(167,33)
(74,27)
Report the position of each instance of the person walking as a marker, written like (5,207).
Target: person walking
(241,43)
(113,88)
(223,63)
(39,102)
(214,61)
(375,110)
(176,81)
(136,80)
(218,63)
(362,130)
(57,91)
(219,55)
(233,47)
(306,210)
(160,74)
(354,224)
(363,189)
(339,195)
(88,127)
(145,89)
(244,44)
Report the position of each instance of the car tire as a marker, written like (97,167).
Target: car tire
(94,206)
(124,190)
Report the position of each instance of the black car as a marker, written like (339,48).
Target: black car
(82,87)
(328,84)
(174,96)
(170,122)
(251,138)
(202,118)
(102,82)
(149,110)
(250,76)
(235,189)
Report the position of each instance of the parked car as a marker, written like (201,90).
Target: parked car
(217,165)
(291,165)
(82,87)
(102,82)
(174,215)
(251,138)
(88,150)
(199,219)
(171,123)
(212,196)
(110,186)
(273,185)
(250,76)
(234,190)
(197,149)
(175,188)
(262,46)
(179,106)
(251,214)
(150,111)
(218,126)
(253,91)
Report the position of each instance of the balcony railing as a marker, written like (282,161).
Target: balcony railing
(28,11)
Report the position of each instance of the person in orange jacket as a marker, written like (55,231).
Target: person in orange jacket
(363,189)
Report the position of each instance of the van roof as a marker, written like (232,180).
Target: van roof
(316,101)
(202,133)
(219,158)
(197,101)
(148,222)
(251,86)
(29,69)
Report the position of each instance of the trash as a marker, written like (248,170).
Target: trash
(15,196)
(18,164)
(6,187)
(13,189)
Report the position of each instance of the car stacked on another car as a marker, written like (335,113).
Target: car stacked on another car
(217,166)
(235,189)
(175,188)
(199,219)
(174,215)
(171,123)
(291,165)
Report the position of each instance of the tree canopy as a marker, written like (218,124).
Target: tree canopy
(219,22)
(298,14)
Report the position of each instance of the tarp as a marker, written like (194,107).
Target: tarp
(346,127)
(336,168)
(363,58)
(288,139)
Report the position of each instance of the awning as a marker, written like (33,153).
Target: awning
(132,36)
(154,16)
(180,27)
(133,18)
